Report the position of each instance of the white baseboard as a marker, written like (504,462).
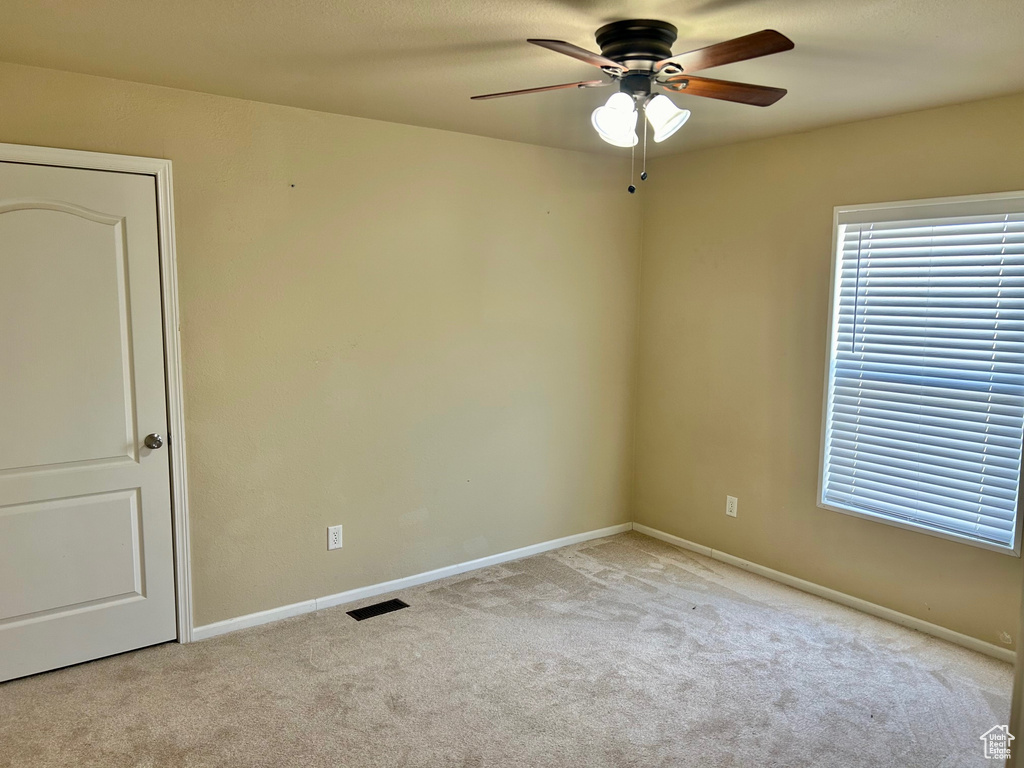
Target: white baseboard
(989,649)
(252,620)
(654,533)
(361,593)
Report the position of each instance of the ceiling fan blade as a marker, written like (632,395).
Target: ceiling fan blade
(762,43)
(581,84)
(560,46)
(744,93)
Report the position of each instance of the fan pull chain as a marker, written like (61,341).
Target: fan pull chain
(643,173)
(632,169)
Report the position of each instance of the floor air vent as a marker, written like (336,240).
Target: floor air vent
(377,609)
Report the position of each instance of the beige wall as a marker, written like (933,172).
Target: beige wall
(733,315)
(427,337)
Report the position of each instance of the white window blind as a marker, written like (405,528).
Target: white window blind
(924,411)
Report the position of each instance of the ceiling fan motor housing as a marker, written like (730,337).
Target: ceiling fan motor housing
(637,43)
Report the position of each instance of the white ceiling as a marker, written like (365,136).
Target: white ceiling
(419,62)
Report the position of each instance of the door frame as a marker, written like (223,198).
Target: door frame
(160,170)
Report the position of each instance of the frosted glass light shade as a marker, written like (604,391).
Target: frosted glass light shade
(615,122)
(665,117)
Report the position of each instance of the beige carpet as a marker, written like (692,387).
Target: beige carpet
(618,652)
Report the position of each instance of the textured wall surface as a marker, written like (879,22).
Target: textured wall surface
(733,319)
(424,336)
(429,338)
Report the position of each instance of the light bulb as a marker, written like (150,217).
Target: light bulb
(665,117)
(615,122)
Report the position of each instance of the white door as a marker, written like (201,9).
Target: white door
(86,565)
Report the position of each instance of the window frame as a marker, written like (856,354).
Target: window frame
(896,211)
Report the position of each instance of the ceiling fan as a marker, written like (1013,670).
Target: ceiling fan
(637,54)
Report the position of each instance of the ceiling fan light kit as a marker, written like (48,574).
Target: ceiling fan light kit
(615,122)
(637,55)
(664,116)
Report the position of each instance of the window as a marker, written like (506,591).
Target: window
(924,402)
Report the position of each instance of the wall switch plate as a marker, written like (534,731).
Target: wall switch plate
(731,503)
(334,537)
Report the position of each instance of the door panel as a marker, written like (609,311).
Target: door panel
(65,553)
(86,566)
(64,310)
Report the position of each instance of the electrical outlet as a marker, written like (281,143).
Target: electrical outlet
(334,537)
(731,503)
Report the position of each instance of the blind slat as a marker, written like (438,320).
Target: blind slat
(883,452)
(931,406)
(930,423)
(923,471)
(928,445)
(975,530)
(928,498)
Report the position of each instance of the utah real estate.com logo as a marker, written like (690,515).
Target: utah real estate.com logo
(997,742)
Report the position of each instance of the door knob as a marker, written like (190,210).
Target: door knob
(154,441)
